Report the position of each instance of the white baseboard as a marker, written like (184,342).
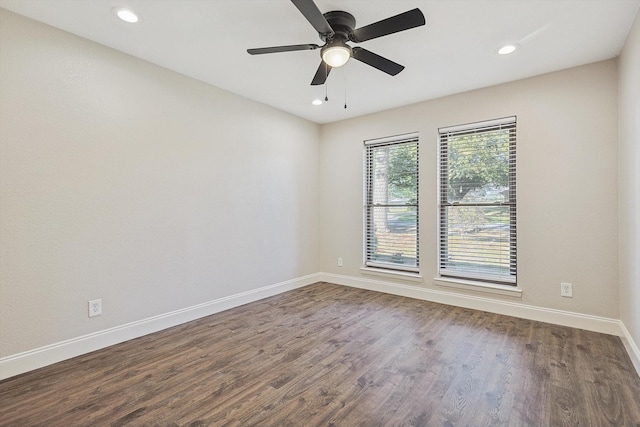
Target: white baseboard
(516,309)
(549,315)
(33,359)
(631,346)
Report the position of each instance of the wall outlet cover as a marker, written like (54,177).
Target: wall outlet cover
(566,290)
(95,307)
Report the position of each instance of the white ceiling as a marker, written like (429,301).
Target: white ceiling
(454,52)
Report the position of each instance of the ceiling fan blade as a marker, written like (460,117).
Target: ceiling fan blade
(310,11)
(376,61)
(404,21)
(275,49)
(321,74)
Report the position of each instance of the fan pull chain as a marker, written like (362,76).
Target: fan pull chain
(345,88)
(326,84)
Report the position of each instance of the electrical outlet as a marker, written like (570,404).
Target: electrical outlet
(339,262)
(95,307)
(566,290)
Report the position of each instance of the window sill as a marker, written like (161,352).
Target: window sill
(471,285)
(414,277)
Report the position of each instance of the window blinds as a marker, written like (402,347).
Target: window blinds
(477,201)
(391,203)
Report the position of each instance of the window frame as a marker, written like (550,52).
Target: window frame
(444,134)
(368,208)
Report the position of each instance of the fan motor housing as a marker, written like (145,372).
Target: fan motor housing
(342,24)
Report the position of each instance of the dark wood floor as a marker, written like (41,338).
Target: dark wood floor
(328,355)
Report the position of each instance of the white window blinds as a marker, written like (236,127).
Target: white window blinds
(391,203)
(477,201)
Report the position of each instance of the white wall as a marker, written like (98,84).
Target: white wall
(567,183)
(629,183)
(124,181)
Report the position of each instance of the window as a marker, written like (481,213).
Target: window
(477,201)
(391,203)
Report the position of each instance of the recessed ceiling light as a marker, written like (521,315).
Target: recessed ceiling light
(316,102)
(507,49)
(126,15)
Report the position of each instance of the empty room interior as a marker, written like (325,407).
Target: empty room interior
(428,215)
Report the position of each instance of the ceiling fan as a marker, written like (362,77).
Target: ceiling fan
(335,28)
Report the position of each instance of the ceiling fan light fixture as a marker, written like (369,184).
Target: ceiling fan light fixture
(337,27)
(336,55)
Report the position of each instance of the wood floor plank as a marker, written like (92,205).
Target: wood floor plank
(328,355)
